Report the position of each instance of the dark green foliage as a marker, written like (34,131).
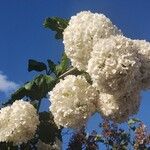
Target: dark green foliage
(48,131)
(39,87)
(56,69)
(36,66)
(42,84)
(52,66)
(56,24)
(7,146)
(59,69)
(63,66)
(19,94)
(35,89)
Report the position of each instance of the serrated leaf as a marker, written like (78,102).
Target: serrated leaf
(36,66)
(56,24)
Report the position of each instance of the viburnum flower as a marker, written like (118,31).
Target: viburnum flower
(79,35)
(119,109)
(73,101)
(144,51)
(114,65)
(18,122)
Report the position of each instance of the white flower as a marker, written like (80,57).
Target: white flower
(72,101)
(144,50)
(119,109)
(114,65)
(18,122)
(79,35)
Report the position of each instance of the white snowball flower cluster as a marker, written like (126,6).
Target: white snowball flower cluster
(119,68)
(73,101)
(114,65)
(120,108)
(144,51)
(18,122)
(79,35)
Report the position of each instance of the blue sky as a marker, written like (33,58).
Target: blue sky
(22,35)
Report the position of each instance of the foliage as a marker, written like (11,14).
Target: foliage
(56,24)
(48,131)
(35,65)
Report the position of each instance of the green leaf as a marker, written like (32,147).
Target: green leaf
(56,24)
(63,66)
(35,89)
(50,82)
(39,87)
(48,130)
(36,66)
(51,65)
(19,94)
